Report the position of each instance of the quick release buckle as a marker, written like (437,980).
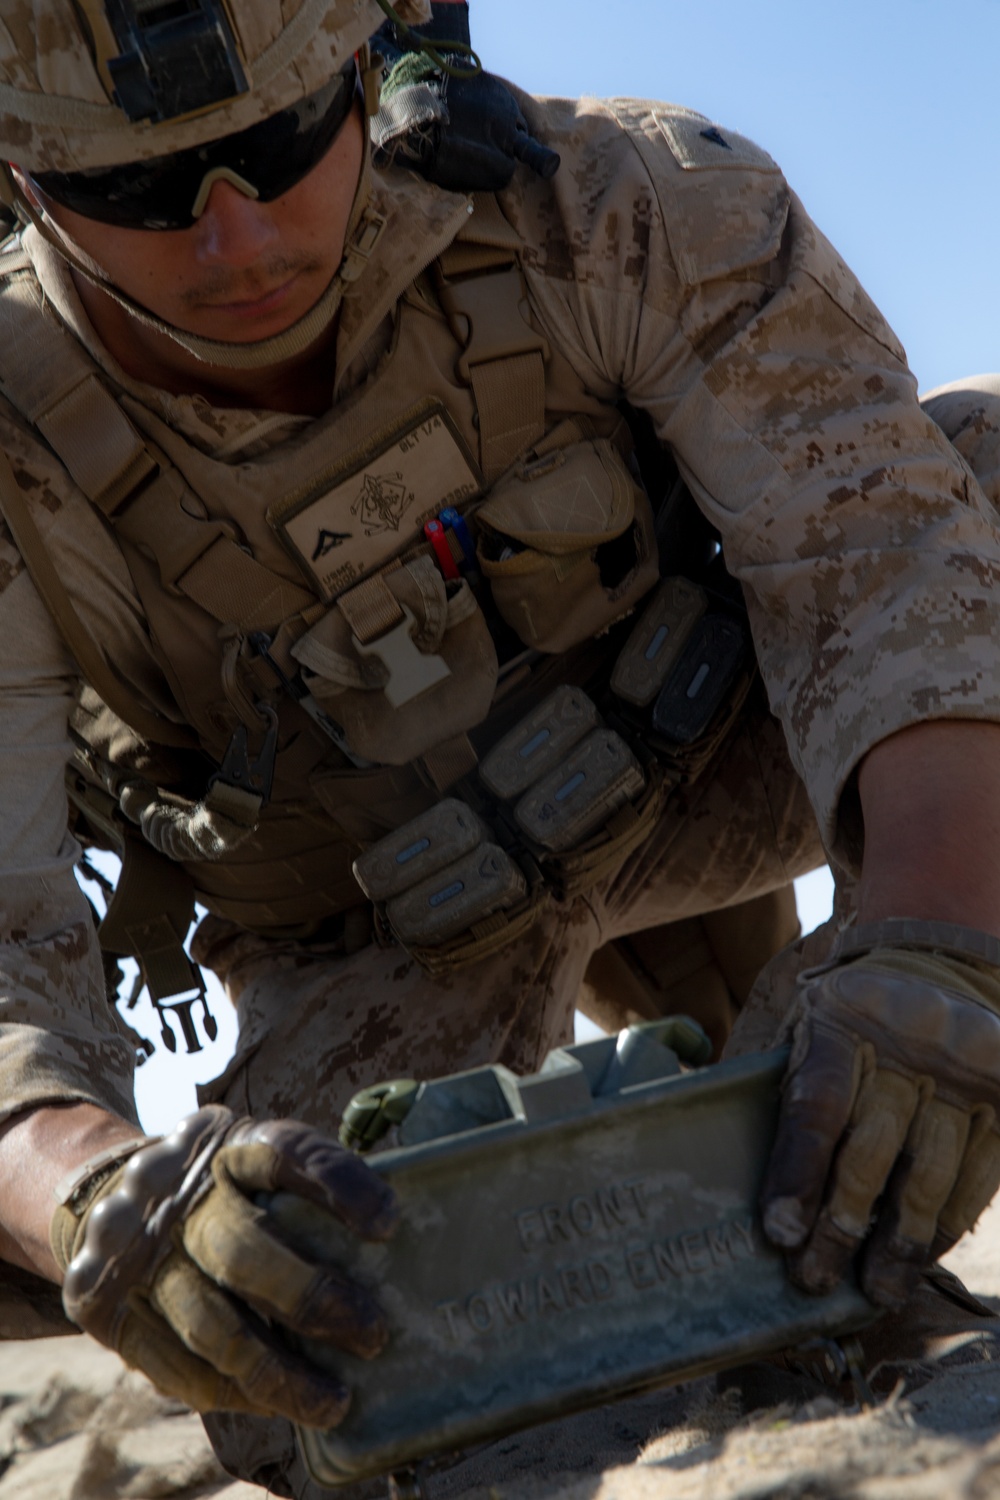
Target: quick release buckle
(178,57)
(411,671)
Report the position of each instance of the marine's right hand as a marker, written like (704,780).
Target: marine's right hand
(174,1264)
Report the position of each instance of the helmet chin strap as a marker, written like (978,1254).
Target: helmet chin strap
(364,227)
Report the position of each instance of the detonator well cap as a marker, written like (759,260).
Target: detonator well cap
(98,82)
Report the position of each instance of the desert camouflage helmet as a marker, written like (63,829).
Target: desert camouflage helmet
(91,83)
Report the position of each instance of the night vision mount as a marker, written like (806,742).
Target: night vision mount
(166,58)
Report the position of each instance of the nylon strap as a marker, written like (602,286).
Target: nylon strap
(48,377)
(371,609)
(105,455)
(202,558)
(152,907)
(447,763)
(510,399)
(82,646)
(914,932)
(503,357)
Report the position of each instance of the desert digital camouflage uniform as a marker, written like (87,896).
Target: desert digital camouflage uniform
(667,264)
(968,411)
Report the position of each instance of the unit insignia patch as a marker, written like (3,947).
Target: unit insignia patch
(375,504)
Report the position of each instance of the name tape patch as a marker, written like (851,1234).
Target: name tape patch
(376,503)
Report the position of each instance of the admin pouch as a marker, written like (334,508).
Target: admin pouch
(581,1234)
(567,541)
(398,692)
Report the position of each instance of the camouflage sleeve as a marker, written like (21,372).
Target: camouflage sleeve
(968,412)
(58,1036)
(670,263)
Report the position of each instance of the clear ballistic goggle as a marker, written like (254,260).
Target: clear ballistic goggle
(170,192)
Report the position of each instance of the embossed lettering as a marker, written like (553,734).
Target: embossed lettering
(513,1300)
(559,1291)
(718,1244)
(449,1309)
(668,1258)
(637,1188)
(743,1228)
(553,1220)
(601,1283)
(573,1288)
(582,1216)
(617,1206)
(610,1207)
(530,1229)
(692,1253)
(479,1313)
(640,1268)
(695,1252)
(547,1299)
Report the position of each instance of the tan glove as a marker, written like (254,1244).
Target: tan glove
(888,1134)
(170,1261)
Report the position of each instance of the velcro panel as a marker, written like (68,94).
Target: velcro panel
(510,400)
(700,146)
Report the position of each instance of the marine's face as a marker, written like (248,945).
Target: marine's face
(246,269)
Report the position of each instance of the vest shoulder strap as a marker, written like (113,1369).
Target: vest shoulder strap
(483,293)
(84,648)
(51,380)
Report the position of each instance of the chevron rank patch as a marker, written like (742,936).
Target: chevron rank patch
(377,502)
(698,145)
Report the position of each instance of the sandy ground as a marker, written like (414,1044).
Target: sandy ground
(75,1425)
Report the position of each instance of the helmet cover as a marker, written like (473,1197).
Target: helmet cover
(56,95)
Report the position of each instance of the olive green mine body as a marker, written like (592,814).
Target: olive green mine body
(565,1238)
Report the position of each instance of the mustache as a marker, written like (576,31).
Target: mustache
(222,284)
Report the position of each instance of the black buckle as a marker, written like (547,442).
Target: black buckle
(237,769)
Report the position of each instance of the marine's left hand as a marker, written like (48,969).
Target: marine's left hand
(888,1140)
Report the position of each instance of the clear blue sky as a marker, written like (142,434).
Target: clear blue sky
(883,116)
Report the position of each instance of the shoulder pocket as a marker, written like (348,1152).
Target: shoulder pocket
(724,199)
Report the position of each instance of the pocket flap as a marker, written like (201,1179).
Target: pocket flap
(565,501)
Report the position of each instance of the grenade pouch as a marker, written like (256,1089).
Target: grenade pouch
(562,801)
(683,675)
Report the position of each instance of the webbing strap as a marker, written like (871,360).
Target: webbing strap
(82,646)
(503,358)
(203,559)
(448,762)
(49,379)
(149,915)
(510,400)
(97,443)
(52,381)
(371,609)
